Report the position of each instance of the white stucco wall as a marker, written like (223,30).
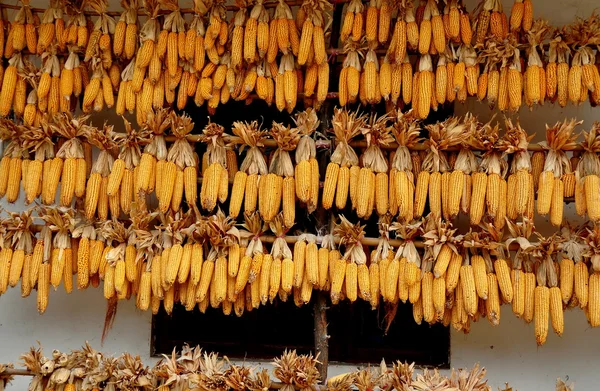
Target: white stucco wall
(508,351)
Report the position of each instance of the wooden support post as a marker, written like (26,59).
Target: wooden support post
(321,336)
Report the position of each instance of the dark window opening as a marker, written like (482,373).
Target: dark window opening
(357,334)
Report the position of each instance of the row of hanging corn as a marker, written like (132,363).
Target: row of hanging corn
(465,167)
(201,261)
(77,51)
(86,368)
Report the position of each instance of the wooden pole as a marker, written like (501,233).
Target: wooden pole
(321,336)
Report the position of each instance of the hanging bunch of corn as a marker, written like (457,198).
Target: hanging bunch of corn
(70,83)
(587,173)
(174,258)
(398,43)
(559,138)
(76,31)
(154,156)
(17,252)
(139,256)
(490,20)
(23,29)
(246,268)
(112,261)
(400,274)
(51,26)
(96,197)
(353,24)
(278,187)
(473,274)
(253,168)
(557,71)
(547,295)
(148,62)
(98,91)
(215,182)
(59,222)
(427,307)
(592,240)
(74,170)
(238,55)
(256,33)
(521,15)
(125,170)
(572,248)
(126,98)
(406,130)
(349,82)
(341,177)
(457,23)
(344,283)
(84,232)
(312,36)
(434,179)
(522,274)
(172,33)
(50,81)
(493,168)
(181,156)
(286,84)
(306,269)
(482,138)
(460,181)
(307,168)
(370,85)
(126,30)
(12,161)
(217,32)
(222,234)
(519,191)
(13,93)
(373,182)
(499,285)
(423,96)
(39,141)
(534,85)
(99,43)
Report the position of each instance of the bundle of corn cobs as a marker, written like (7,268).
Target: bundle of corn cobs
(136,220)
(192,368)
(156,54)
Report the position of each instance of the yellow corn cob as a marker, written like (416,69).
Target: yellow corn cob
(556,207)
(469,293)
(518,286)
(442,261)
(593,302)
(479,272)
(453,272)
(530,286)
(421,193)
(351,281)
(391,281)
(566,279)
(556,311)
(478,197)
(545,191)
(493,301)
(504,281)
(542,308)
(580,283)
(276,277)
(251,193)
(427,297)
